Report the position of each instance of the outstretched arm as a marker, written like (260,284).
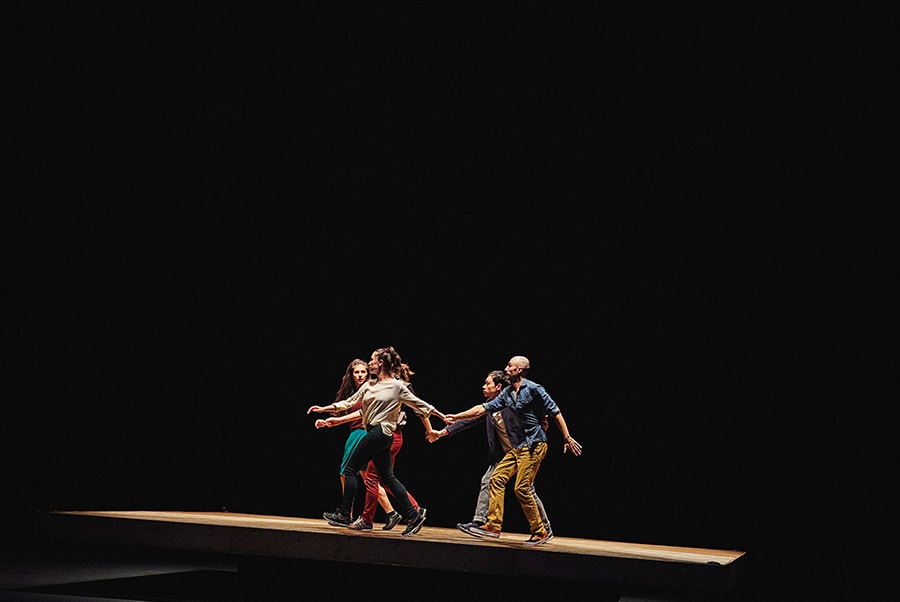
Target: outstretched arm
(441,415)
(331,408)
(340,406)
(473,412)
(338,420)
(426,422)
(455,427)
(433,435)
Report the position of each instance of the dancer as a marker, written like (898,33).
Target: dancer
(530,402)
(381,403)
(504,432)
(375,493)
(355,375)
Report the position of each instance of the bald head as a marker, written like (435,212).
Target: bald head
(520,361)
(516,368)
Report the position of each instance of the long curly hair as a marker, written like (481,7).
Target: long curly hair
(348,386)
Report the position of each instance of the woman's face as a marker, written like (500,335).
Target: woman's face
(360,374)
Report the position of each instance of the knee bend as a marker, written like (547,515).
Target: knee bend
(523,493)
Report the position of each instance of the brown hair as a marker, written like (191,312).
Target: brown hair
(348,387)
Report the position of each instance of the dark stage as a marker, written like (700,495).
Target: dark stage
(213,207)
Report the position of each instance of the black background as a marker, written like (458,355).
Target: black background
(218,204)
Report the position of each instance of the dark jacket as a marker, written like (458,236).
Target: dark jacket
(514,431)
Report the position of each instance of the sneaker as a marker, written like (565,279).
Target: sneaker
(337,518)
(391,520)
(463,526)
(424,512)
(414,524)
(360,525)
(536,540)
(477,530)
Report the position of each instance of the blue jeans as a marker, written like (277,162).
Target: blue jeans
(375,447)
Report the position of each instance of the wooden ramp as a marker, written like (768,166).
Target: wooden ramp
(257,538)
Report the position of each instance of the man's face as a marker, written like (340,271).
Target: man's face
(512,368)
(490,389)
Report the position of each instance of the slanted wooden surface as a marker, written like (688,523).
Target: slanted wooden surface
(434,548)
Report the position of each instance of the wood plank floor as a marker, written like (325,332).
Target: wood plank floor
(253,539)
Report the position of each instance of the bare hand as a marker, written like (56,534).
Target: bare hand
(575,446)
(442,416)
(316,409)
(321,423)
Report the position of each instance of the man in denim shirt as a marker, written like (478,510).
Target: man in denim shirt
(531,403)
(504,432)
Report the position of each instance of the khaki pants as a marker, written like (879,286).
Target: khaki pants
(524,463)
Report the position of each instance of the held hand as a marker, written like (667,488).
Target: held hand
(433,436)
(449,418)
(575,446)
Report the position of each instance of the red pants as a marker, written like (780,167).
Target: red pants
(372,481)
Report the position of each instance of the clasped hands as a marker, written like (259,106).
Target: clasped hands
(432,435)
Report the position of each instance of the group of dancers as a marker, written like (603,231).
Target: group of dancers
(516,412)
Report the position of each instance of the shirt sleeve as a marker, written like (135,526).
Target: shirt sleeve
(549,405)
(346,404)
(419,406)
(498,403)
(462,425)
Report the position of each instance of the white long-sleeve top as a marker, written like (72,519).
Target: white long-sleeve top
(381,401)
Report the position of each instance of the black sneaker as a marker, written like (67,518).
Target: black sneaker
(391,520)
(414,524)
(479,531)
(337,518)
(424,512)
(464,527)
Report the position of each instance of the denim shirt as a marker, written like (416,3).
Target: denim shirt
(531,404)
(512,424)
